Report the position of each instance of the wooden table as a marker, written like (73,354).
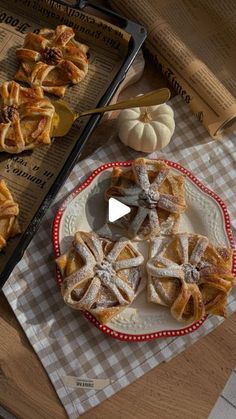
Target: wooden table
(185,387)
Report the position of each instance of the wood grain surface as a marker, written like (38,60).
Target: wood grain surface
(185,387)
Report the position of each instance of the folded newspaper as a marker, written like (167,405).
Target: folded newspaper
(193,45)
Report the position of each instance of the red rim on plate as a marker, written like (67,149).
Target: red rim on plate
(56,244)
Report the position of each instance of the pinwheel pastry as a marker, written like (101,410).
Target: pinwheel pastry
(26,118)
(154,194)
(100,276)
(52,59)
(9,210)
(189,275)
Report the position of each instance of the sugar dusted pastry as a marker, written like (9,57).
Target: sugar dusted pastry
(9,211)
(154,194)
(100,276)
(189,275)
(52,59)
(26,118)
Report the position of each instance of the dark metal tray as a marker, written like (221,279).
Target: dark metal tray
(138,35)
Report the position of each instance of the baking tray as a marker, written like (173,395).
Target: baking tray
(137,36)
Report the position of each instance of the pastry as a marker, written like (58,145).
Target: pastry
(52,59)
(189,275)
(9,210)
(26,118)
(100,276)
(154,194)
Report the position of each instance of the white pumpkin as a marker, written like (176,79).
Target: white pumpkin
(146,129)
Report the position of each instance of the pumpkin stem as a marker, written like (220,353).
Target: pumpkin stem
(145,116)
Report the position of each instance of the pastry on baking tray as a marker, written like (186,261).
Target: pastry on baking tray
(154,194)
(26,117)
(9,210)
(52,59)
(100,276)
(189,275)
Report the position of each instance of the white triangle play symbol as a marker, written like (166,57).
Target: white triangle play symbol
(116,209)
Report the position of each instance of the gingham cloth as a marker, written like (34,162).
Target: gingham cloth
(63,339)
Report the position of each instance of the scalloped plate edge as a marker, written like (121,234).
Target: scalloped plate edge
(56,245)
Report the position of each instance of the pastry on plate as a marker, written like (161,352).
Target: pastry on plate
(189,275)
(9,211)
(155,195)
(99,275)
(26,118)
(52,59)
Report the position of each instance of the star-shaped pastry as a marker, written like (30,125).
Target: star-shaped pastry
(100,276)
(26,118)
(154,194)
(9,211)
(190,275)
(52,59)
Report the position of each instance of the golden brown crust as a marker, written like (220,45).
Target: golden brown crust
(189,275)
(52,60)
(99,275)
(9,211)
(155,195)
(26,118)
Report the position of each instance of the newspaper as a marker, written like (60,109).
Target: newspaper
(31,174)
(193,45)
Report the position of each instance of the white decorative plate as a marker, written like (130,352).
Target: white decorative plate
(85,209)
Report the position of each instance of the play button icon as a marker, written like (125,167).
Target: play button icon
(116,210)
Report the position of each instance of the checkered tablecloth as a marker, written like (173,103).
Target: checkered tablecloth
(63,339)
